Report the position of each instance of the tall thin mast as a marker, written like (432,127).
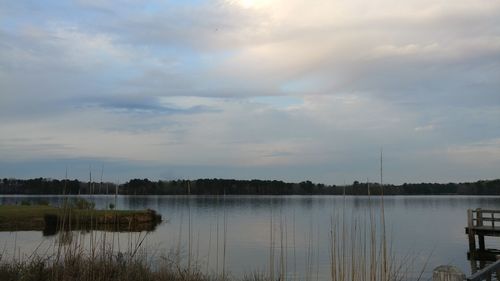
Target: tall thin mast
(381,171)
(100,185)
(65,180)
(90,179)
(384,239)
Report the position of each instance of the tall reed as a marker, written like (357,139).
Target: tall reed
(357,250)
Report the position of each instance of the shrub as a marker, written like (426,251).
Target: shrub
(25,203)
(81,203)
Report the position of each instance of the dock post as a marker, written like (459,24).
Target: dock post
(472,238)
(479,217)
(481,242)
(473,265)
(480,238)
(447,273)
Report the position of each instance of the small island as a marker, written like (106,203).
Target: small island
(51,219)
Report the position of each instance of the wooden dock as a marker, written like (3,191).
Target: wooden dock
(481,223)
(487,273)
(484,261)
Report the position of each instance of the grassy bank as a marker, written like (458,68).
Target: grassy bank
(85,267)
(46,218)
(354,256)
(358,251)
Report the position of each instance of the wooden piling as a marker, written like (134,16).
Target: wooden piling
(447,273)
(479,223)
(470,224)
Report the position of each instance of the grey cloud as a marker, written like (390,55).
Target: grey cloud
(183,28)
(425,86)
(143,105)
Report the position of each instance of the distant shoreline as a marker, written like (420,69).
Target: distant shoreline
(44,186)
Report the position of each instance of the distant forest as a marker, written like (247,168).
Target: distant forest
(240,187)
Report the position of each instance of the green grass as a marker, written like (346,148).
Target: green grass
(14,212)
(22,212)
(22,217)
(37,217)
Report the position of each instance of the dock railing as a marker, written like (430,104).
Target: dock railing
(486,273)
(483,217)
(480,222)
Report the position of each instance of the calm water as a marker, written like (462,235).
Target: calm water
(423,228)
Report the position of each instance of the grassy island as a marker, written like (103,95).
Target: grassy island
(50,219)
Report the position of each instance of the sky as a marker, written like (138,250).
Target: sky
(251,89)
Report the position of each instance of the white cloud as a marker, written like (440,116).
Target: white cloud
(253,83)
(483,153)
(428,127)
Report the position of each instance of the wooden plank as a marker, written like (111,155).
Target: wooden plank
(485,228)
(485,272)
(488,211)
(483,231)
(488,255)
(490,219)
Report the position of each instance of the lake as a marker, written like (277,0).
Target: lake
(233,233)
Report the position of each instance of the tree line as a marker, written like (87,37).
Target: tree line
(240,187)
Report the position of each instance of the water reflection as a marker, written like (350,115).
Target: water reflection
(416,225)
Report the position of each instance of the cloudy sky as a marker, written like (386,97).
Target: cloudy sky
(270,89)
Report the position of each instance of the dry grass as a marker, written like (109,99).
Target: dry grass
(84,267)
(358,252)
